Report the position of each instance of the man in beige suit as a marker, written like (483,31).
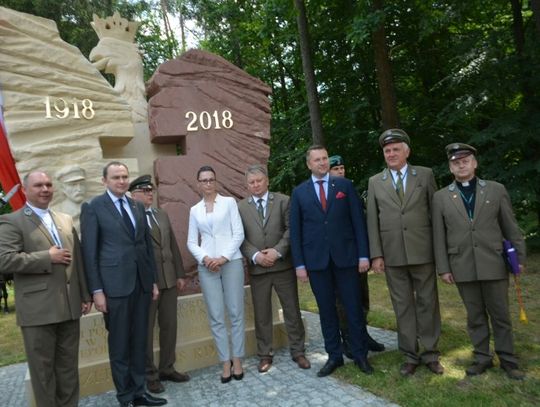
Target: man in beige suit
(171,280)
(471,217)
(400,243)
(41,248)
(265,216)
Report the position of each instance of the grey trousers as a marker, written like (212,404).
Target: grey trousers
(225,290)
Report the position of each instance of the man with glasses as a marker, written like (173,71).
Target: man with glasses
(171,280)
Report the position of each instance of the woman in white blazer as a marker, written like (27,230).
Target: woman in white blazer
(214,238)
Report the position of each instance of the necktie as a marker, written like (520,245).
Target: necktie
(322,195)
(154,226)
(399,187)
(260,209)
(126,218)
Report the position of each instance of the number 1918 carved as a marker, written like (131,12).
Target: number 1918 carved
(206,121)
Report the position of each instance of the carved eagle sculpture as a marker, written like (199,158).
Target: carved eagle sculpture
(58,108)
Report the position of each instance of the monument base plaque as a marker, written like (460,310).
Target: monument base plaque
(195,347)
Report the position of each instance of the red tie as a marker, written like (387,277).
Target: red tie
(322,195)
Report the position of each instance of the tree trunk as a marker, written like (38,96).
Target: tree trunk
(182,23)
(309,74)
(535,7)
(519,41)
(389,111)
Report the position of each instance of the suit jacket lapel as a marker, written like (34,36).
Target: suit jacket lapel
(388,186)
(412,180)
(481,197)
(109,204)
(331,197)
(269,207)
(156,234)
(34,218)
(455,197)
(254,211)
(137,216)
(313,195)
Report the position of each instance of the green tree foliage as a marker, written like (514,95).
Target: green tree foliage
(459,73)
(462,70)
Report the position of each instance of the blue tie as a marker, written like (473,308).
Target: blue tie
(127,219)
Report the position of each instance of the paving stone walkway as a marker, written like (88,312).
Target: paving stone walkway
(284,385)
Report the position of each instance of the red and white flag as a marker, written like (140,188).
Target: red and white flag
(9,177)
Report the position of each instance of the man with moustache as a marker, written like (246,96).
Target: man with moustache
(337,169)
(400,241)
(41,248)
(330,248)
(171,280)
(471,218)
(121,273)
(265,216)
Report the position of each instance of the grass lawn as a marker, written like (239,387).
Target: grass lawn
(453,388)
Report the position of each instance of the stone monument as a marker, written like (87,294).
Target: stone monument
(63,116)
(219,115)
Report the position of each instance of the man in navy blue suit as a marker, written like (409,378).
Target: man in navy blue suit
(330,248)
(121,274)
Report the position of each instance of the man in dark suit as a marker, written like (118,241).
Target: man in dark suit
(471,218)
(337,169)
(121,274)
(41,248)
(171,280)
(400,241)
(329,247)
(265,216)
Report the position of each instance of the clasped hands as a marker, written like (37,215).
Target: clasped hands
(267,257)
(214,263)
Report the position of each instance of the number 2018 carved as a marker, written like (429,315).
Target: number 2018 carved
(206,121)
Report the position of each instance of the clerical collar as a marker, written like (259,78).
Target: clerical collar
(467,184)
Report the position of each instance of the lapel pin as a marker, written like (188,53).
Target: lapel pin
(27,211)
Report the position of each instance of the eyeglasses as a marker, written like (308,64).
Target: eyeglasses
(207,181)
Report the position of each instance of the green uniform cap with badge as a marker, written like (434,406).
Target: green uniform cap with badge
(459,150)
(394,136)
(143,182)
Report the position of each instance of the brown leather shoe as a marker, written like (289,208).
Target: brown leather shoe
(435,367)
(302,362)
(264,365)
(174,377)
(155,386)
(407,369)
(477,368)
(512,370)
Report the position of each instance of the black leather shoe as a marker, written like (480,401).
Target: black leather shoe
(512,370)
(126,404)
(329,367)
(147,399)
(478,368)
(373,345)
(407,369)
(364,366)
(435,366)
